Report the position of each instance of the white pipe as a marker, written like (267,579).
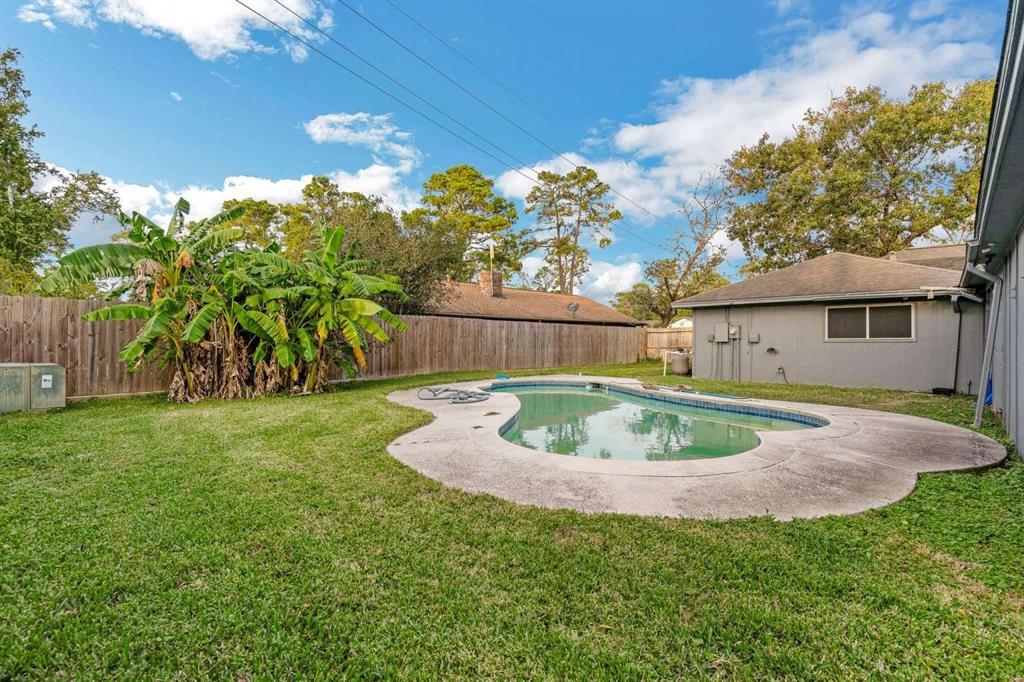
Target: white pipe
(990,339)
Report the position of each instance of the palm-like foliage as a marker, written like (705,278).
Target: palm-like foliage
(154,255)
(236,322)
(156,264)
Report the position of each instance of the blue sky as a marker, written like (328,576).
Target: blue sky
(199,98)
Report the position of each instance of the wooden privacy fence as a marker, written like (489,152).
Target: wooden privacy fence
(34,329)
(659,340)
(438,344)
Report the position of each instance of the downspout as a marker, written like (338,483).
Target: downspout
(990,337)
(958,307)
(959,336)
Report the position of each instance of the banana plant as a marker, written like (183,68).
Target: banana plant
(328,301)
(236,322)
(342,302)
(157,262)
(154,256)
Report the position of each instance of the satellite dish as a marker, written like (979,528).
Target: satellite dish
(573,307)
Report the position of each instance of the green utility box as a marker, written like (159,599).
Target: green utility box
(31,386)
(46,387)
(14,390)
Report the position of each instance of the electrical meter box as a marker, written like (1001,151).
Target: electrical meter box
(14,380)
(31,386)
(46,387)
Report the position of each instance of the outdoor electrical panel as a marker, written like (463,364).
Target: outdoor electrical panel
(753,338)
(722,332)
(14,380)
(31,386)
(47,387)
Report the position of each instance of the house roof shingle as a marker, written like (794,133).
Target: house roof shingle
(830,277)
(950,256)
(467,300)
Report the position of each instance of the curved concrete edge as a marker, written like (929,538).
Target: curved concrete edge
(861,460)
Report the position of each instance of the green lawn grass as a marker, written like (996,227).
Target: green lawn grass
(275,538)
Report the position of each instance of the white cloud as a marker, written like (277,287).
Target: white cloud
(224,79)
(703,120)
(28,14)
(210,29)
(75,12)
(647,187)
(175,96)
(605,279)
(531,264)
(699,122)
(733,248)
(600,283)
(784,7)
(926,9)
(375,132)
(155,200)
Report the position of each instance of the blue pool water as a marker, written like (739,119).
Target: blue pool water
(608,424)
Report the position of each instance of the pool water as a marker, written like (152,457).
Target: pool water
(590,422)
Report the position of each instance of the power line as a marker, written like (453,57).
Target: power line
(383,91)
(476,66)
(408,106)
(404,87)
(469,92)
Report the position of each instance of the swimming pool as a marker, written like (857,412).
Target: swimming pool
(619,423)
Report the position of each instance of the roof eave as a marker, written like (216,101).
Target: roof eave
(817,298)
(1000,210)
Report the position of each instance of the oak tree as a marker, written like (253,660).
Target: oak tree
(867,175)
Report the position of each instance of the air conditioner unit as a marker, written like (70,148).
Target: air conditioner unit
(31,386)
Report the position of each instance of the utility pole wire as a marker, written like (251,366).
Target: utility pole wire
(382,90)
(408,106)
(479,68)
(469,92)
(404,87)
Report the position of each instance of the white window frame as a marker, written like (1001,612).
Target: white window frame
(867,322)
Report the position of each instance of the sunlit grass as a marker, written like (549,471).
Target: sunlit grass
(276,538)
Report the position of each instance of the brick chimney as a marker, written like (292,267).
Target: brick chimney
(490,283)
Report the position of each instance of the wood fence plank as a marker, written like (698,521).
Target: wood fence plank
(35,329)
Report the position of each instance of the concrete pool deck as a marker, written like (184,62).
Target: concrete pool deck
(861,460)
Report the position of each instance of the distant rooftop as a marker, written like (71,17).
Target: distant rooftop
(949,256)
(469,299)
(835,276)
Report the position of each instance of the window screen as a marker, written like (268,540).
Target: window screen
(892,322)
(847,323)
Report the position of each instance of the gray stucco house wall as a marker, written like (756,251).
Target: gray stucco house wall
(1007,371)
(792,338)
(995,261)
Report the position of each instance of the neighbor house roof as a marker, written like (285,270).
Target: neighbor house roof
(836,276)
(950,256)
(467,300)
